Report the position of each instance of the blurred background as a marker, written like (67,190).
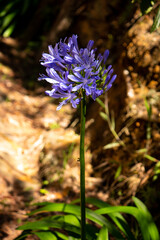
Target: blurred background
(39,146)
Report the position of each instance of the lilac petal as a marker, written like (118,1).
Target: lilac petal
(113,78)
(77,69)
(61,104)
(88,73)
(90,45)
(75,102)
(87,89)
(68,59)
(78,59)
(73,78)
(50,48)
(96,93)
(60,64)
(110,71)
(52,94)
(64,87)
(77,87)
(105,71)
(74,39)
(95,74)
(109,67)
(48,79)
(111,81)
(78,75)
(54,74)
(93,51)
(86,53)
(47,56)
(105,56)
(106,81)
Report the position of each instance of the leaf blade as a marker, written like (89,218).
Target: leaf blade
(156,22)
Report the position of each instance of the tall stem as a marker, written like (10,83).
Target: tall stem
(82,168)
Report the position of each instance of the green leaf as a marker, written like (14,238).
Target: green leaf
(100,102)
(45,235)
(146,6)
(57,207)
(141,151)
(150,158)
(37,225)
(112,120)
(152,229)
(112,145)
(9,30)
(8,20)
(43,191)
(25,6)
(116,217)
(47,223)
(70,223)
(145,225)
(156,22)
(5,7)
(148,107)
(61,235)
(73,209)
(103,234)
(118,172)
(73,238)
(104,116)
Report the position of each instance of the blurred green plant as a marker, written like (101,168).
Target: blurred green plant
(15,15)
(65,224)
(156,171)
(143,152)
(67,154)
(111,123)
(149,112)
(54,125)
(146,6)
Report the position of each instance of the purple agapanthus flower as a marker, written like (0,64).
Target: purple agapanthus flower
(71,70)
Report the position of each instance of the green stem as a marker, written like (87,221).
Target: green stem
(82,168)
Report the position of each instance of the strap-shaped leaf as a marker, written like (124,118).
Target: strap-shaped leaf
(143,222)
(61,235)
(46,235)
(156,22)
(103,234)
(116,217)
(73,209)
(152,229)
(69,223)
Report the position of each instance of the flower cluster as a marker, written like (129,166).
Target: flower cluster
(71,70)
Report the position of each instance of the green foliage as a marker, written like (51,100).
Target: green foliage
(54,125)
(146,6)
(65,224)
(117,140)
(13,14)
(156,22)
(67,155)
(156,171)
(149,112)
(111,123)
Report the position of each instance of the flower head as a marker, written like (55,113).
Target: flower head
(71,70)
